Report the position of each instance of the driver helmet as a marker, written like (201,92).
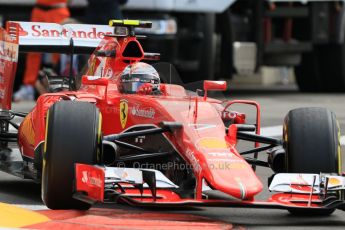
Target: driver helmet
(136,75)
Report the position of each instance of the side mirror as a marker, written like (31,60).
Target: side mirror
(214,86)
(94,80)
(152,56)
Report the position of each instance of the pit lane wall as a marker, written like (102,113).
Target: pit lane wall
(166,5)
(205,6)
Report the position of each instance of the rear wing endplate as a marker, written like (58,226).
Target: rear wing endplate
(8,66)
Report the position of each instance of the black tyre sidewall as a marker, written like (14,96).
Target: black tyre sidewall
(72,137)
(312,141)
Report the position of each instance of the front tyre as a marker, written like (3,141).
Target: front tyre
(311,141)
(73,135)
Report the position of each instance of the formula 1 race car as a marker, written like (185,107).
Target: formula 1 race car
(125,132)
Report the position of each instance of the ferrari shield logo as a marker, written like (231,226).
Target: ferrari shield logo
(123,113)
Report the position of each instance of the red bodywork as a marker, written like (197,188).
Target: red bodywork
(208,149)
(202,142)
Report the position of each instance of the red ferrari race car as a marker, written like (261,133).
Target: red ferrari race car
(126,132)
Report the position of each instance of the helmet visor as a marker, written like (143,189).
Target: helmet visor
(131,87)
(131,83)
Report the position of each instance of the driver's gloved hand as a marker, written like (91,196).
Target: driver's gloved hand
(145,89)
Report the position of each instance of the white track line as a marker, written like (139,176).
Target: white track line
(277,131)
(32,206)
(272,131)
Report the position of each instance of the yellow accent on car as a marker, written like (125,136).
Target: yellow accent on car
(16,217)
(99,137)
(130,23)
(124,22)
(334,181)
(285,137)
(212,143)
(26,127)
(100,128)
(46,134)
(123,113)
(339,150)
(45,140)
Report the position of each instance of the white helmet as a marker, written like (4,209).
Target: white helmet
(135,75)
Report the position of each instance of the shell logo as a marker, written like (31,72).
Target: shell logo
(213,143)
(334,181)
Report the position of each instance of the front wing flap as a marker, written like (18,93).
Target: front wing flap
(97,183)
(90,183)
(150,188)
(305,183)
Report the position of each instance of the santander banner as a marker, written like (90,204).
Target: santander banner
(38,33)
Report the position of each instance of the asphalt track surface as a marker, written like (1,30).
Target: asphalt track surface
(274,104)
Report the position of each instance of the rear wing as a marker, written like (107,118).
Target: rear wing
(41,37)
(56,38)
(52,38)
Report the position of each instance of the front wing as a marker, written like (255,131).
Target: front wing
(150,188)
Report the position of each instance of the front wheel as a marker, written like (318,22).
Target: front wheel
(311,141)
(73,135)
